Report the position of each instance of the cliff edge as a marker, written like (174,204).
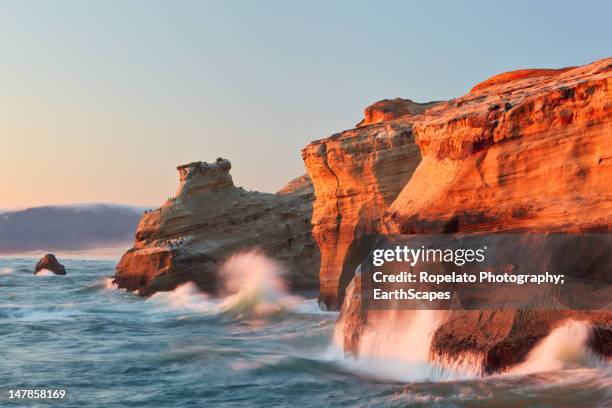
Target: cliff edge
(357,174)
(526,151)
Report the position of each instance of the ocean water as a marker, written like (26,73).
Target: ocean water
(110,348)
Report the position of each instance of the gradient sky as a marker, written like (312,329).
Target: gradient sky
(100,101)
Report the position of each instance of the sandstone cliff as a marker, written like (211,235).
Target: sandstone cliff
(208,219)
(389,109)
(531,152)
(524,151)
(356,175)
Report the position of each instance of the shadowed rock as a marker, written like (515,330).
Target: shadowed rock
(190,236)
(50,263)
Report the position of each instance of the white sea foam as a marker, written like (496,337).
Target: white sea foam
(401,351)
(311,307)
(44,272)
(387,351)
(109,284)
(397,347)
(186,296)
(253,285)
(6,271)
(565,347)
(62,312)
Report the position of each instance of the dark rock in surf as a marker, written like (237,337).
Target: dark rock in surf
(49,262)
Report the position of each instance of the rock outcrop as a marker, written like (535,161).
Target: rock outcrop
(209,219)
(527,151)
(526,154)
(389,109)
(356,175)
(50,263)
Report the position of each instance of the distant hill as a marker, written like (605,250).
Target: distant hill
(67,228)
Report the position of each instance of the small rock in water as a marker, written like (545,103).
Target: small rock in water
(49,262)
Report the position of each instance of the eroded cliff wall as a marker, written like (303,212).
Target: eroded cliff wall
(190,235)
(527,153)
(523,151)
(356,175)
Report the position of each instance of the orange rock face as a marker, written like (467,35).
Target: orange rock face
(356,175)
(389,109)
(531,153)
(209,219)
(515,75)
(526,151)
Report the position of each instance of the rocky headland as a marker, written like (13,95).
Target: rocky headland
(524,151)
(357,174)
(209,219)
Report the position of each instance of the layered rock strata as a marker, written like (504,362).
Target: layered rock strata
(356,175)
(209,219)
(389,109)
(527,151)
(526,154)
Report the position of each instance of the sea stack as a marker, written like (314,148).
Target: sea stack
(209,219)
(50,263)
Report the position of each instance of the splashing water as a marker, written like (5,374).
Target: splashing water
(396,345)
(82,332)
(109,283)
(410,343)
(403,354)
(186,296)
(253,285)
(565,347)
(44,272)
(396,348)
(399,348)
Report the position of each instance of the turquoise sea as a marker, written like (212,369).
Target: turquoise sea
(111,348)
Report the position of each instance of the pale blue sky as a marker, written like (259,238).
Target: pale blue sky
(101,100)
